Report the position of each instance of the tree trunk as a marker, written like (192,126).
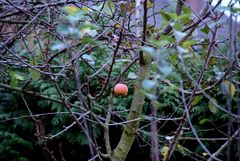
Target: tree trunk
(129,132)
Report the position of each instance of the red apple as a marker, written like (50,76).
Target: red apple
(120,89)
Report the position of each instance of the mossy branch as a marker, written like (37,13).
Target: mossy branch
(130,129)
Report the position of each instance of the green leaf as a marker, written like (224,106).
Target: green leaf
(231,89)
(151,96)
(188,43)
(180,148)
(157,104)
(91,33)
(88,25)
(164,152)
(63,29)
(86,40)
(74,14)
(132,75)
(211,106)
(70,9)
(148,84)
(123,61)
(235,10)
(15,77)
(186,10)
(14,81)
(173,15)
(150,4)
(203,121)
(33,62)
(35,75)
(165,70)
(179,35)
(109,8)
(205,29)
(19,77)
(184,18)
(162,41)
(196,100)
(58,46)
(165,16)
(177,26)
(182,50)
(89,58)
(149,50)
